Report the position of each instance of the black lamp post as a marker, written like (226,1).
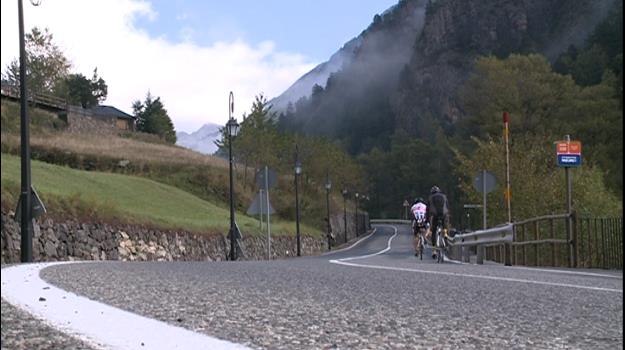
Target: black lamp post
(345,212)
(232,128)
(26,222)
(364,221)
(328,187)
(298,171)
(357,195)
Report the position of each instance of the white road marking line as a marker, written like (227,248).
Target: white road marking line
(98,324)
(340,262)
(388,247)
(406,269)
(581,273)
(351,246)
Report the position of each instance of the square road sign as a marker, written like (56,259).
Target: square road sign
(571,147)
(569,160)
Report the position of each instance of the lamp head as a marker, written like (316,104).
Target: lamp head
(233,127)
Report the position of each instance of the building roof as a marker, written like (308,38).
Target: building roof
(110,111)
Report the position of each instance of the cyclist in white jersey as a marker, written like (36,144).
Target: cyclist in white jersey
(419,221)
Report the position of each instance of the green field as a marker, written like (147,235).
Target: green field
(129,199)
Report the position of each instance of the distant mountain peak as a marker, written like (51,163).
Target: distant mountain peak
(201,140)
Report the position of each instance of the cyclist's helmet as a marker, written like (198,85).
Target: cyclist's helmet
(419,200)
(435,189)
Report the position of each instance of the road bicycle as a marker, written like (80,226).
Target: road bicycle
(418,227)
(440,245)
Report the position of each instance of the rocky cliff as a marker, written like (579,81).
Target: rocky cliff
(411,62)
(457,32)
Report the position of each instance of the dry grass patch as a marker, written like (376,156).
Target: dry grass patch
(111,146)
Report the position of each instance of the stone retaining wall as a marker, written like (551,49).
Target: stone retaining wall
(72,240)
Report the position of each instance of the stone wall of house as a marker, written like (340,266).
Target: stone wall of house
(81,120)
(72,240)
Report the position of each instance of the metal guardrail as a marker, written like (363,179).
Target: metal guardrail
(497,236)
(503,234)
(549,240)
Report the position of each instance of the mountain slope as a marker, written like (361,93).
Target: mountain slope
(202,140)
(387,41)
(318,75)
(409,64)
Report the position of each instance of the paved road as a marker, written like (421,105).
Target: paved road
(388,300)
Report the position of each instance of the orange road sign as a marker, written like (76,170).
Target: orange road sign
(572,147)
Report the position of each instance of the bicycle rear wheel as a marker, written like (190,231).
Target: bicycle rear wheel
(441,248)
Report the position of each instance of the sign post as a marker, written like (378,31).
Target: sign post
(260,193)
(506,119)
(268,215)
(569,154)
(484,183)
(406,205)
(265,179)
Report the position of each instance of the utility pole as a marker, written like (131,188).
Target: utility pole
(26,224)
(298,170)
(506,119)
(329,227)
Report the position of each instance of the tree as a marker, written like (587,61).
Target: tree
(79,90)
(537,184)
(407,170)
(259,143)
(152,118)
(542,102)
(45,62)
(525,86)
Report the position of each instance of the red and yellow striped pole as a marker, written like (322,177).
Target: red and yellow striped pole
(506,135)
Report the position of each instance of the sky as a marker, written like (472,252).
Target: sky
(191,54)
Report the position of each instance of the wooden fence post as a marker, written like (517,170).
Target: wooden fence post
(603,257)
(536,250)
(554,261)
(524,249)
(507,254)
(575,239)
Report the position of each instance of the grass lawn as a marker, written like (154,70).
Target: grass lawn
(131,199)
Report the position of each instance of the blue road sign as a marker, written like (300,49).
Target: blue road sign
(569,160)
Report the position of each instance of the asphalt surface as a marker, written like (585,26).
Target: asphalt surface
(390,300)
(24,332)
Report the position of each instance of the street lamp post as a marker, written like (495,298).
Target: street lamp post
(366,197)
(26,224)
(329,228)
(232,128)
(357,195)
(345,212)
(298,171)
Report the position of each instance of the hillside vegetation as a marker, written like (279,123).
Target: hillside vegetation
(137,154)
(40,120)
(122,198)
